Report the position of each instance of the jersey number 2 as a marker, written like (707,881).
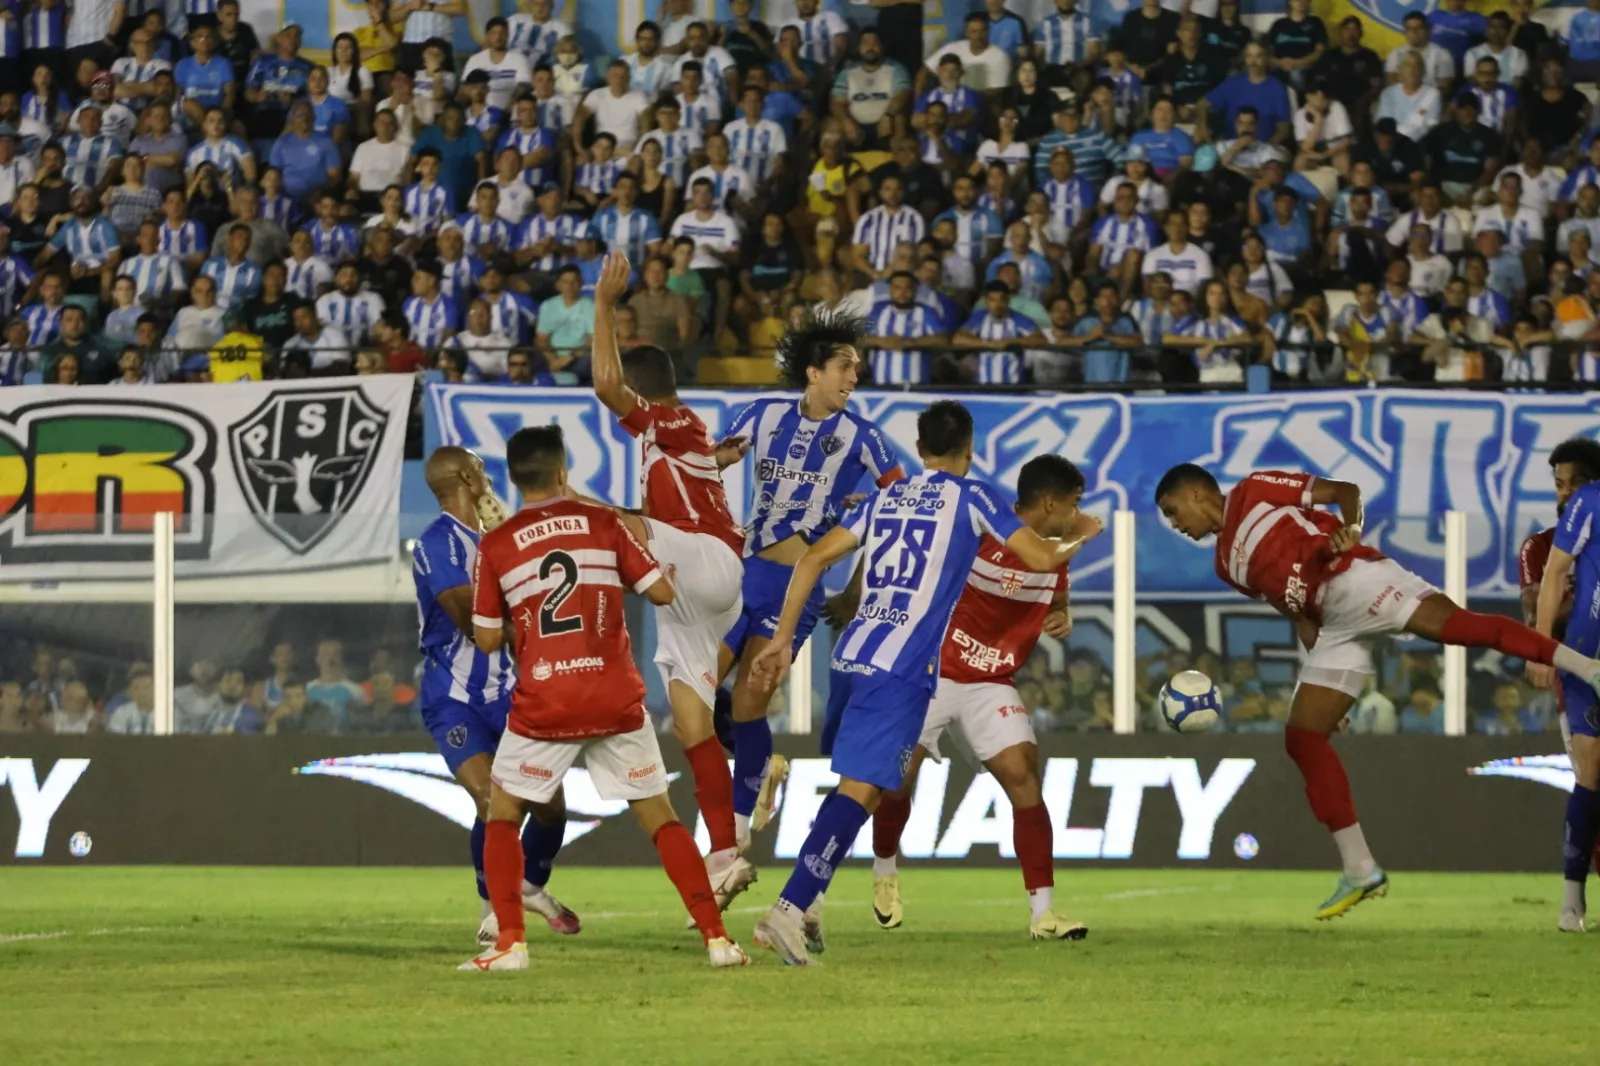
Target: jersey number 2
(549,624)
(902,550)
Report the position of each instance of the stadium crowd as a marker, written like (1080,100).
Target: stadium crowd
(1044,199)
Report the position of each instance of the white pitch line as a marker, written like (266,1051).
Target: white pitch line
(15,938)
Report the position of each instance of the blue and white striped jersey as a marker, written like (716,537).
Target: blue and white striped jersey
(1214,329)
(452,666)
(308,277)
(352,316)
(15,277)
(881,230)
(977,231)
(632,233)
(459,277)
(190,238)
(817,35)
(1071,201)
(1035,272)
(89,158)
(563,229)
(226,155)
(431,320)
(489,122)
(155,275)
(1491,307)
(11,37)
(555,113)
(676,148)
(919,538)
(15,364)
(45,27)
(340,242)
(1406,310)
(1117,237)
(699,114)
(88,243)
(44,323)
(804,468)
(513,315)
(649,76)
(428,207)
(235,283)
(999,368)
(755,146)
(1493,105)
(1064,38)
(891,366)
(536,40)
(729,181)
(599,178)
(526,142)
(494,231)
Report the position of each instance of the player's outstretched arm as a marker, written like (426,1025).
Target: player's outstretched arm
(1045,556)
(773,662)
(1552,590)
(1347,497)
(606,361)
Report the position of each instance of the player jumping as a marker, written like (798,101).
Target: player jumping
(810,455)
(996,624)
(920,537)
(690,532)
(1575,464)
(1274,543)
(557,571)
(465,693)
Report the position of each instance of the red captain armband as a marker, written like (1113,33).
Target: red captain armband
(890,477)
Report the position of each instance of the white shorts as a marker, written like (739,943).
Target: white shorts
(1373,599)
(623,767)
(982,719)
(707,578)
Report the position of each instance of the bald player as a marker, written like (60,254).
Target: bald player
(466,694)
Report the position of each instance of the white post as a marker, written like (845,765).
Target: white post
(800,691)
(162,611)
(1125,716)
(1455,658)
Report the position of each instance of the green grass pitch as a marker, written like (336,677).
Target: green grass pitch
(174,966)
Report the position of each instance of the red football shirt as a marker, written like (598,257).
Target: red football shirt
(1532,559)
(997,620)
(558,569)
(682,483)
(1274,543)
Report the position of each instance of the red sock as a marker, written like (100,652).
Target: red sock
(888,822)
(1034,842)
(1327,788)
(502,868)
(1469,629)
(713,791)
(681,859)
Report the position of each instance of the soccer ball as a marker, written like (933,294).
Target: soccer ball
(1190,702)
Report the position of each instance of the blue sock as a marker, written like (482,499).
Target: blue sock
(752,747)
(832,836)
(1581,828)
(477,859)
(540,842)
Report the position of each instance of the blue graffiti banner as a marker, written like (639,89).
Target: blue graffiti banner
(1415,455)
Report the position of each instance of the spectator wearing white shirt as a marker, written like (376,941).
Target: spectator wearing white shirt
(1496,46)
(516,196)
(506,67)
(824,35)
(1414,103)
(727,178)
(117,120)
(1522,227)
(485,347)
(426,22)
(1322,131)
(135,716)
(984,68)
(15,170)
(615,108)
(717,68)
(1187,264)
(1005,148)
(1541,184)
(1442,226)
(1455,343)
(701,111)
(1439,69)
(377,164)
(1430,271)
(649,71)
(716,246)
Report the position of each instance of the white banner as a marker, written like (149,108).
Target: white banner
(264,477)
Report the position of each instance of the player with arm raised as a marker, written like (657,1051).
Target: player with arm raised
(687,527)
(996,624)
(1572,569)
(920,537)
(555,572)
(809,454)
(1275,543)
(465,693)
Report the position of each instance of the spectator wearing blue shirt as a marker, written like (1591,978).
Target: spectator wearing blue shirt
(1256,88)
(1169,149)
(308,160)
(1036,276)
(274,83)
(963,106)
(463,156)
(1007,31)
(1583,43)
(330,116)
(1455,29)
(1287,233)
(784,108)
(1272,176)
(205,79)
(1106,337)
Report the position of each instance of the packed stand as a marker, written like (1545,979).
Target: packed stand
(1043,200)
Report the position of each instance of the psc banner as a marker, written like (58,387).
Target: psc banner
(262,477)
(1415,454)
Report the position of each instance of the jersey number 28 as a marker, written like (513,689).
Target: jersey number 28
(900,553)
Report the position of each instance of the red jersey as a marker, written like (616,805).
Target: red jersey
(1274,543)
(557,569)
(1531,561)
(682,483)
(997,619)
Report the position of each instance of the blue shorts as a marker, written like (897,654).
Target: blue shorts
(878,727)
(461,730)
(1580,704)
(838,696)
(765,585)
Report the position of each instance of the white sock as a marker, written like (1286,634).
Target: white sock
(787,909)
(529,887)
(488,908)
(883,867)
(1041,900)
(1572,899)
(816,904)
(741,828)
(1358,861)
(1572,662)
